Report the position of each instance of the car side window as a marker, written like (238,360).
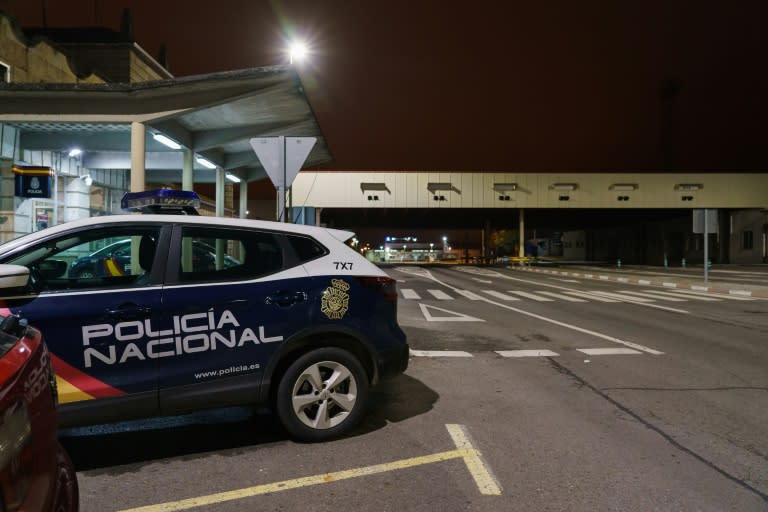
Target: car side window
(97,258)
(219,254)
(306,248)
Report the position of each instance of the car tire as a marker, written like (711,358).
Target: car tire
(322,395)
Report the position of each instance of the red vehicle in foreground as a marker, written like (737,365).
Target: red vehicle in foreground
(35,472)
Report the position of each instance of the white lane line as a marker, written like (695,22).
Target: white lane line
(624,298)
(557,322)
(653,296)
(499,295)
(669,285)
(527,353)
(410,294)
(688,297)
(607,351)
(531,296)
(484,281)
(564,280)
(440,295)
(643,281)
(743,293)
(440,353)
(561,296)
(592,297)
(718,295)
(468,294)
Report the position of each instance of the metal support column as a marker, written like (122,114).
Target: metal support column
(521,236)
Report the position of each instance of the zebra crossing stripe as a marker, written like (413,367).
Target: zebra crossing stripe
(499,295)
(591,297)
(693,297)
(653,296)
(564,297)
(468,294)
(698,294)
(410,294)
(531,296)
(440,295)
(620,297)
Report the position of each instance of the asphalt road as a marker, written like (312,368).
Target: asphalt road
(675,419)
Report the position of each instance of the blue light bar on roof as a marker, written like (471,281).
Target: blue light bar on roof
(163,198)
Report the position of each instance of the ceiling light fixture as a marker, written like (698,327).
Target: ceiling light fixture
(205,162)
(162,139)
(75,152)
(232,178)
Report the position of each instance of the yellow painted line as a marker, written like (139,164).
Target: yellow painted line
(472,458)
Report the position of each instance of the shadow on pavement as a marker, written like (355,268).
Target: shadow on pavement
(227,429)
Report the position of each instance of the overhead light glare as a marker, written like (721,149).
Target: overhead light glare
(75,152)
(232,178)
(623,186)
(205,162)
(162,139)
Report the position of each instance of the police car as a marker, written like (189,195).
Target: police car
(286,315)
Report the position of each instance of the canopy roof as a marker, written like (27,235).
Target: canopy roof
(214,115)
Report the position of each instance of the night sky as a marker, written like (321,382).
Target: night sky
(557,85)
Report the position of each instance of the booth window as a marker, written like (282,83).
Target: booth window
(5,73)
(747,240)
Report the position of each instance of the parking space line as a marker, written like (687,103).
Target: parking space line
(474,460)
(480,472)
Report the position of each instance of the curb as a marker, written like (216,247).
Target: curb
(760,294)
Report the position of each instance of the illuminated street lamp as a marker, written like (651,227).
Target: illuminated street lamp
(297,51)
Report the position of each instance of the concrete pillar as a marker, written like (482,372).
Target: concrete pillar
(219,192)
(243,199)
(521,237)
(187,171)
(138,156)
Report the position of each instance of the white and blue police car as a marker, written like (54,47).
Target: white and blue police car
(270,313)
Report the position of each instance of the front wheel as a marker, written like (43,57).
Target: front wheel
(322,395)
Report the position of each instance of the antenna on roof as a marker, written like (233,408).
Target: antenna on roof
(126,24)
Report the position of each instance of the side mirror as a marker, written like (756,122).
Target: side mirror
(13,277)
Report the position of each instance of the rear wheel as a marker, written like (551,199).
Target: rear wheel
(322,395)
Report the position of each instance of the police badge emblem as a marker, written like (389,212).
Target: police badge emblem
(335,301)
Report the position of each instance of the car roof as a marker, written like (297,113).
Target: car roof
(301,229)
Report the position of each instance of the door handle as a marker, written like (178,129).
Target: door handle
(285,299)
(128,311)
